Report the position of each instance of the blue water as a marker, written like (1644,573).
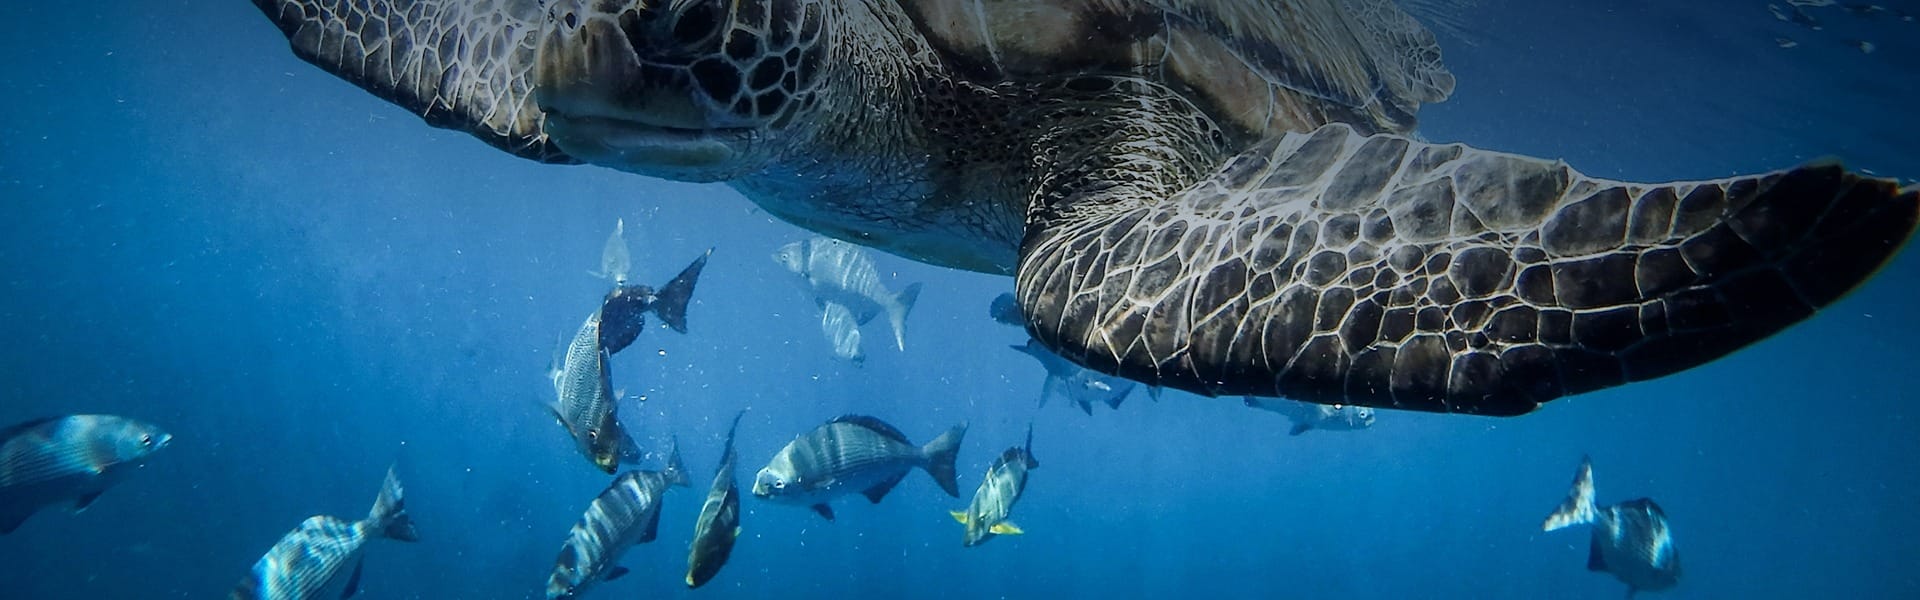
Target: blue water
(305,284)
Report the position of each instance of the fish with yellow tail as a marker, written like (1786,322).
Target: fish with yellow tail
(987,515)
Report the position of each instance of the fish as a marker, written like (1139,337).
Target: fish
(586,404)
(623,310)
(1308,416)
(987,515)
(1006,311)
(312,560)
(1631,539)
(833,272)
(1080,385)
(615,261)
(719,523)
(69,459)
(625,514)
(854,453)
(843,332)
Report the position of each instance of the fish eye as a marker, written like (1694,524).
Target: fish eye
(146,440)
(593,435)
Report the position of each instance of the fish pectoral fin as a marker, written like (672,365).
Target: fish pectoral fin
(824,511)
(353,581)
(1005,528)
(12,518)
(1596,561)
(736,530)
(85,501)
(958,516)
(616,572)
(876,493)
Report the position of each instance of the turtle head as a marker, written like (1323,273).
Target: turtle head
(694,90)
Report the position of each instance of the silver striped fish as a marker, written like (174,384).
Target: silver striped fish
(1631,539)
(838,273)
(311,561)
(616,263)
(585,402)
(854,453)
(627,513)
(986,516)
(719,523)
(73,458)
(1082,386)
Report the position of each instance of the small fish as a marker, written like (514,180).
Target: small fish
(852,454)
(1080,385)
(70,459)
(835,272)
(623,310)
(627,513)
(1630,539)
(585,402)
(1786,43)
(842,329)
(1864,46)
(1006,311)
(986,516)
(311,561)
(1307,415)
(615,262)
(719,524)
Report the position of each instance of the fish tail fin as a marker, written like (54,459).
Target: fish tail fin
(1114,401)
(672,299)
(389,514)
(1578,508)
(897,313)
(941,454)
(676,472)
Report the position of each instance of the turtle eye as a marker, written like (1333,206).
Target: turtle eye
(695,25)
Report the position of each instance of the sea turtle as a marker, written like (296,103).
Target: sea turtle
(1220,196)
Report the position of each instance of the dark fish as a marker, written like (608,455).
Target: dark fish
(586,404)
(1080,385)
(1006,311)
(986,516)
(71,459)
(719,524)
(833,273)
(311,561)
(854,454)
(627,513)
(1630,539)
(1308,416)
(623,311)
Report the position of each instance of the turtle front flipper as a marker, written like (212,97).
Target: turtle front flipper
(1379,271)
(462,65)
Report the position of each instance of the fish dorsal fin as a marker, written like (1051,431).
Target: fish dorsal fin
(1645,504)
(18,428)
(877,492)
(877,425)
(824,511)
(617,572)
(1596,561)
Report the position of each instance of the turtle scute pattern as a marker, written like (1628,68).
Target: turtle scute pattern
(459,64)
(1379,271)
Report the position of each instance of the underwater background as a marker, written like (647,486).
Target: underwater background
(305,284)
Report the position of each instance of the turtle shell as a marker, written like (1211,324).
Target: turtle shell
(1263,67)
